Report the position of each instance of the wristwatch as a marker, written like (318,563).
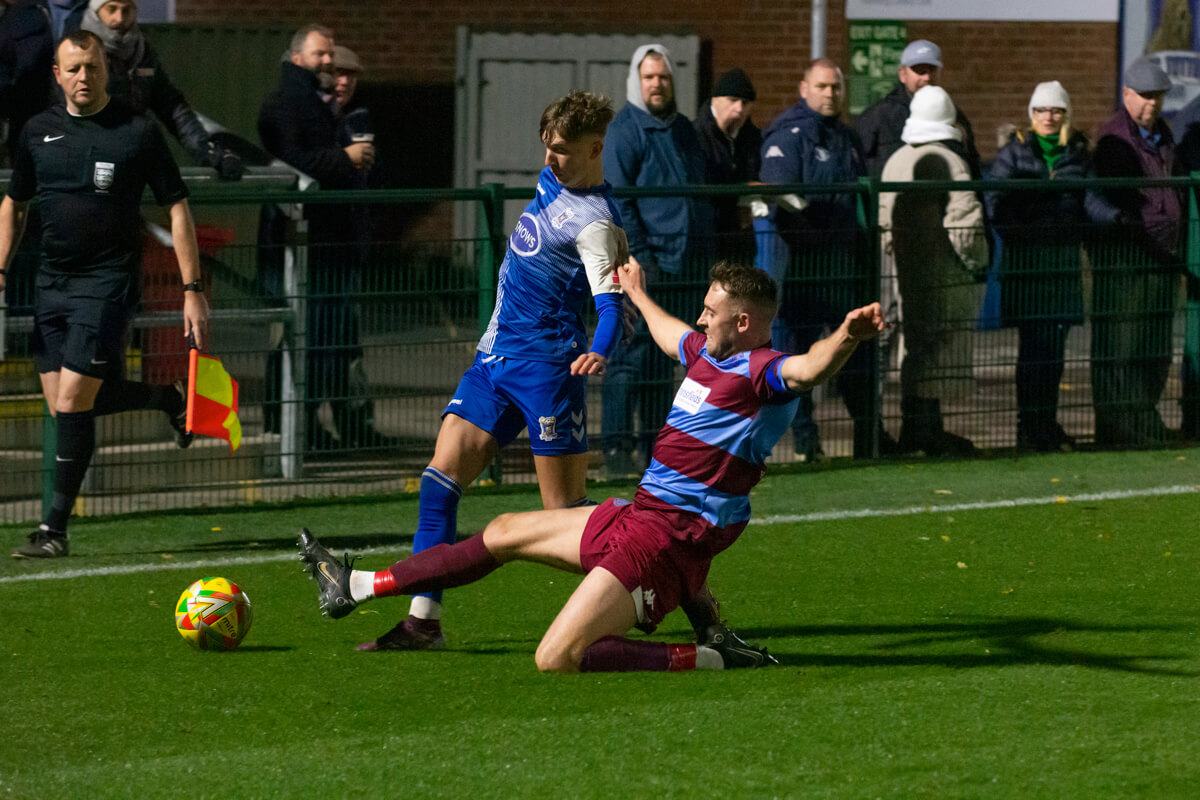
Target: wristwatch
(194,286)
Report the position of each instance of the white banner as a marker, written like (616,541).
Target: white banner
(996,10)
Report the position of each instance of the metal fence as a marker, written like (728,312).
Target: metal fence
(346,355)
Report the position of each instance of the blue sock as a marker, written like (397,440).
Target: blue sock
(437,511)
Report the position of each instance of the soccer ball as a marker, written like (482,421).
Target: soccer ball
(213,614)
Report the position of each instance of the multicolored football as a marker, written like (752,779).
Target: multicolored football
(213,614)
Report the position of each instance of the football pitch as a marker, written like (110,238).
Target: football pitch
(991,629)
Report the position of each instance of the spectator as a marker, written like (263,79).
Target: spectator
(732,146)
(650,143)
(1185,126)
(1040,276)
(1136,274)
(136,76)
(297,126)
(357,425)
(940,246)
(88,163)
(64,15)
(822,247)
(880,125)
(26,66)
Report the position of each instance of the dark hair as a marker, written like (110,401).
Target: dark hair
(301,36)
(575,115)
(746,286)
(84,40)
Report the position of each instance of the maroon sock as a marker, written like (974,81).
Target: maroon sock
(618,654)
(442,566)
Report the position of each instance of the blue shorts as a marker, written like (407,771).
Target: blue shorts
(503,395)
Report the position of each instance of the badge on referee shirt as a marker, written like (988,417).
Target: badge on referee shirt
(102,175)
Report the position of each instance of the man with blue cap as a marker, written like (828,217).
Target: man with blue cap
(880,125)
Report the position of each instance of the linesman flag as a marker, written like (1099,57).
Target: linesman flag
(212,400)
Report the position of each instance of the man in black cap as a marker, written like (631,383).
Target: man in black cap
(1135,274)
(731,144)
(879,126)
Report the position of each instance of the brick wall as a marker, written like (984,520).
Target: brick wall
(991,68)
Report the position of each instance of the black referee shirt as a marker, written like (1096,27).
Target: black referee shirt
(89,174)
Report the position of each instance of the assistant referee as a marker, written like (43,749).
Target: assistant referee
(87,164)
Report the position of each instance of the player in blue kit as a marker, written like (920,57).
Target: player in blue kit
(531,365)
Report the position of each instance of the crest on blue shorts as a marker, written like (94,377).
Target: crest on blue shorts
(549,427)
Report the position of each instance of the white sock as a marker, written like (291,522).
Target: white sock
(425,608)
(362,585)
(707,658)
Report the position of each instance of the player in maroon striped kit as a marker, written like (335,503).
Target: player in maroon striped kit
(643,557)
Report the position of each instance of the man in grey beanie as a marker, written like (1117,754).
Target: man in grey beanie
(1136,268)
(137,77)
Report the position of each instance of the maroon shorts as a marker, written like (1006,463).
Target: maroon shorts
(636,545)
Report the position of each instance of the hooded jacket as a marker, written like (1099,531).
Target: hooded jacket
(642,149)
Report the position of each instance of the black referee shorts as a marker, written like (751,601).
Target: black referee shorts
(83,334)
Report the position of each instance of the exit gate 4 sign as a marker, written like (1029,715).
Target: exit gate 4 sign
(875,48)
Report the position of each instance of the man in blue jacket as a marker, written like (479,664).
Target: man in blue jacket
(651,144)
(819,255)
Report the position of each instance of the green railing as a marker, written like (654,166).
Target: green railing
(419,302)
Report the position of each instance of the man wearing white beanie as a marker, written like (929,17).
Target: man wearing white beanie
(941,252)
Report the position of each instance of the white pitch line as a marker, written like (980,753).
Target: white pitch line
(130,569)
(859,513)
(816,516)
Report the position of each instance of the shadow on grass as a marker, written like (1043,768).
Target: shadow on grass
(263,648)
(401,542)
(1007,642)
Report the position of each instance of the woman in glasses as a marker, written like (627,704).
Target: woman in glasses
(1040,276)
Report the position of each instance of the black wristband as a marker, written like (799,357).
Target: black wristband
(194,286)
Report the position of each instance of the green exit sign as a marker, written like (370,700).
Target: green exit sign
(875,48)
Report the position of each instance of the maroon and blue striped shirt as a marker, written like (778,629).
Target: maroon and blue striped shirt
(724,422)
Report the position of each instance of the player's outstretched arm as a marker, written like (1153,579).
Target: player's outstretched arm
(195,304)
(12,226)
(666,330)
(826,357)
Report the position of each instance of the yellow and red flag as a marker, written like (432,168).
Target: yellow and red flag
(212,400)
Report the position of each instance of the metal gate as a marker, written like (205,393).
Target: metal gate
(505,81)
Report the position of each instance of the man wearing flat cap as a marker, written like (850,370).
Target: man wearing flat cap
(880,125)
(731,144)
(1136,269)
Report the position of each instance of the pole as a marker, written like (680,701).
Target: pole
(818,28)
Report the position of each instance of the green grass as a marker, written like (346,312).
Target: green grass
(1028,651)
